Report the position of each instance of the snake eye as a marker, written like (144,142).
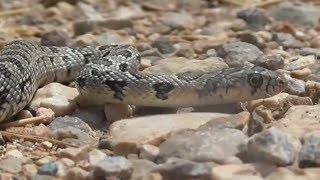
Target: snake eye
(255,80)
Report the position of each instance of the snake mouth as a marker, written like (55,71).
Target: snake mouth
(282,82)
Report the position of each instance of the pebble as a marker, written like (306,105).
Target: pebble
(116,167)
(59,98)
(310,154)
(310,51)
(149,152)
(272,61)
(177,20)
(257,19)
(237,53)
(271,145)
(65,122)
(74,136)
(300,14)
(76,173)
(48,169)
(29,170)
(75,154)
(141,168)
(95,156)
(164,46)
(175,168)
(54,38)
(11,164)
(287,40)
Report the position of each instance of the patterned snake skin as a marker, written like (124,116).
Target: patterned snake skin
(108,74)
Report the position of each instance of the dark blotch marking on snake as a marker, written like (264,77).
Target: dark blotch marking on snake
(209,88)
(117,87)
(15,61)
(22,86)
(4,71)
(162,89)
(126,53)
(123,67)
(81,81)
(3,96)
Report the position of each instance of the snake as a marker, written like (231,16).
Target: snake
(110,74)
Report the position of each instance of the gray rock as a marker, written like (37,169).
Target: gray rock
(89,12)
(10,164)
(112,37)
(300,14)
(177,20)
(211,53)
(295,86)
(83,26)
(192,5)
(43,177)
(310,51)
(141,167)
(76,173)
(272,146)
(287,40)
(272,62)
(112,167)
(310,153)
(94,117)
(48,169)
(214,141)
(65,122)
(238,53)
(30,19)
(255,18)
(74,136)
(255,124)
(253,38)
(54,38)
(184,169)
(164,46)
(49,3)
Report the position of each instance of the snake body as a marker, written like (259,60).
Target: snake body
(108,74)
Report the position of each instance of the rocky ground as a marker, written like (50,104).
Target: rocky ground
(273,138)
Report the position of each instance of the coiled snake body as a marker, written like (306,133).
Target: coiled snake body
(108,74)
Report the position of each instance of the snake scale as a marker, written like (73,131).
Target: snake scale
(109,74)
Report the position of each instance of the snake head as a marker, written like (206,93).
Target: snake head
(265,81)
(241,84)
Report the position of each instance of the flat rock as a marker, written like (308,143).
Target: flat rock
(154,129)
(299,120)
(65,122)
(213,141)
